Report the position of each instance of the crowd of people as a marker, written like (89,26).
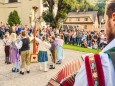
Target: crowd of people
(99,69)
(17,48)
(87,39)
(17,41)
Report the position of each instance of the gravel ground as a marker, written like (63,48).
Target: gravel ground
(36,77)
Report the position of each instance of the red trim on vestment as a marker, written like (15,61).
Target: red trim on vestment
(88,72)
(65,84)
(100,72)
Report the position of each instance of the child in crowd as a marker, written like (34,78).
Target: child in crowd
(14,53)
(85,43)
(42,54)
(59,49)
(25,52)
(53,52)
(6,43)
(94,45)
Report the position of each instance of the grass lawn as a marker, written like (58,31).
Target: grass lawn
(78,48)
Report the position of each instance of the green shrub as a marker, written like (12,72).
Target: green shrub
(14,18)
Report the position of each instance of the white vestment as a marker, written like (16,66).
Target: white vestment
(108,68)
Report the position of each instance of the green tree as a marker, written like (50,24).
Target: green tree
(64,6)
(85,5)
(14,18)
(10,19)
(100,5)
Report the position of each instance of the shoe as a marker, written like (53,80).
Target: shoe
(28,71)
(17,70)
(22,73)
(52,67)
(13,70)
(8,62)
(41,69)
(46,70)
(58,62)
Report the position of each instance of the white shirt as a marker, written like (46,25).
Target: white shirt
(102,38)
(43,46)
(109,71)
(6,42)
(59,41)
(74,35)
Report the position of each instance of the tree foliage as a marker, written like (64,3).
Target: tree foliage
(14,18)
(91,6)
(64,6)
(100,6)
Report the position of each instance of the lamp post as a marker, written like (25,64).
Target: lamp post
(35,8)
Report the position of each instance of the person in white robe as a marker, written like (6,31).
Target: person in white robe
(107,62)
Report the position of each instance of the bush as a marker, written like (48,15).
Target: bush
(14,18)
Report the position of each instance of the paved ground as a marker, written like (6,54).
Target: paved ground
(36,77)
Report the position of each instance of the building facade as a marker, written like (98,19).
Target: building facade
(83,20)
(23,7)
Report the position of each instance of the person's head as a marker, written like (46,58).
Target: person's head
(110,20)
(52,39)
(61,36)
(6,36)
(13,37)
(23,33)
(7,33)
(43,38)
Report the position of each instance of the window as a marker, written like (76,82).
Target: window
(11,1)
(85,27)
(69,19)
(77,19)
(85,19)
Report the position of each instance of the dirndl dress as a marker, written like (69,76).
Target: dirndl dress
(13,55)
(13,52)
(42,56)
(59,52)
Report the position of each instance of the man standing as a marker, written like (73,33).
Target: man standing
(99,70)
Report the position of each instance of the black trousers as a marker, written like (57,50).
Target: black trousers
(7,53)
(65,39)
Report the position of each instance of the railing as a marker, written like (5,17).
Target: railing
(66,76)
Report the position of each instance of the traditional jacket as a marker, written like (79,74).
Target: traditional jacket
(105,75)
(25,44)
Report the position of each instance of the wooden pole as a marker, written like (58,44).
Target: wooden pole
(34,41)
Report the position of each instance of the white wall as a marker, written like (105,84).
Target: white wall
(24,9)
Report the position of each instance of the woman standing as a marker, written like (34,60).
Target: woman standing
(59,49)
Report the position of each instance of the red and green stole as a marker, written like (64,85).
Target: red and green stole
(94,71)
(111,53)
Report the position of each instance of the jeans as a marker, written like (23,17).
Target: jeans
(89,43)
(1,34)
(78,41)
(73,41)
(65,39)
(69,40)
